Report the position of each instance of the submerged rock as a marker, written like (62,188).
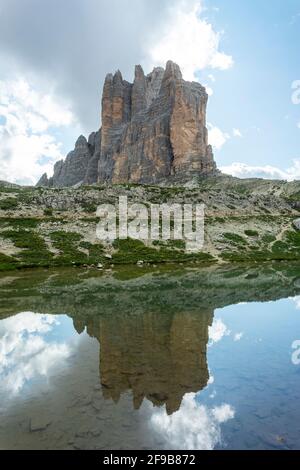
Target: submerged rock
(39,423)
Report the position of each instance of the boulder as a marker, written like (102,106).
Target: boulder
(296,224)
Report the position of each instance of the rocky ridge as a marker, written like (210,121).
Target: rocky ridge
(245,220)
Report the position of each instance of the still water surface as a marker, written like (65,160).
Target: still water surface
(193,359)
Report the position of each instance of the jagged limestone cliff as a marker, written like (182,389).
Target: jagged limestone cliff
(152,129)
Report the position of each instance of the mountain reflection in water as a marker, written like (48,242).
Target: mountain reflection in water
(133,372)
(160,357)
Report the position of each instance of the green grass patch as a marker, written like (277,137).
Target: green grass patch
(268,238)
(19,223)
(89,207)
(7,263)
(170,244)
(293,238)
(96,251)
(280,247)
(251,233)
(235,238)
(8,190)
(63,239)
(130,251)
(240,189)
(261,255)
(10,203)
(34,250)
(67,244)
(48,211)
(89,219)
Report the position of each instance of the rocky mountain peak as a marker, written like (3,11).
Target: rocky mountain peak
(139,73)
(152,129)
(172,71)
(81,142)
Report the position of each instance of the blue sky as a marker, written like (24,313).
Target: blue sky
(52,70)
(255,94)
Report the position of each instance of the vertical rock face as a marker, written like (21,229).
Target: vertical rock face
(158,357)
(73,169)
(94,143)
(152,129)
(43,181)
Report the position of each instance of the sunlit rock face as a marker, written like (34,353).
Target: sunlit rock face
(157,357)
(152,129)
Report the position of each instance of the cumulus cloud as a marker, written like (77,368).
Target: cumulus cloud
(223,413)
(217,331)
(194,426)
(72,44)
(69,53)
(243,170)
(28,117)
(24,351)
(68,47)
(296,300)
(188,39)
(216,137)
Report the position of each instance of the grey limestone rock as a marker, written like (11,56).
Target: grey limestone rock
(151,130)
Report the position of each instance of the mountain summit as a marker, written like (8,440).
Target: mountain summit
(151,130)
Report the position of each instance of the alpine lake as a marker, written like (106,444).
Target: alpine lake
(172,357)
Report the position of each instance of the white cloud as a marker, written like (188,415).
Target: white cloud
(208,89)
(194,426)
(298,125)
(223,413)
(238,336)
(24,351)
(211,380)
(296,300)
(28,146)
(190,41)
(217,331)
(237,133)
(243,170)
(216,137)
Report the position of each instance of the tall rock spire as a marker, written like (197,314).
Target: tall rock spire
(152,129)
(138,97)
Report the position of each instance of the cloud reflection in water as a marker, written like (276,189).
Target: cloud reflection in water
(193,426)
(25,352)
